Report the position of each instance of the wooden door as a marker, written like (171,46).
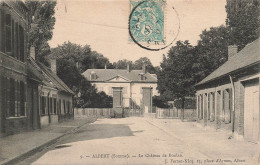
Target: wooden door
(251,111)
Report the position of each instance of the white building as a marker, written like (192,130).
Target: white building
(133,83)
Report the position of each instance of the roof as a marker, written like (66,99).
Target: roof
(248,56)
(108,74)
(48,78)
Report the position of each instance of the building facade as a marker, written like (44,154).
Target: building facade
(31,95)
(134,84)
(229,97)
(15,115)
(55,98)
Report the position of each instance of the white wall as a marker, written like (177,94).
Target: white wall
(130,90)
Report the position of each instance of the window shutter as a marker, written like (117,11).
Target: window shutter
(21,36)
(2,29)
(16,40)
(7,96)
(18,99)
(8,33)
(22,97)
(13,31)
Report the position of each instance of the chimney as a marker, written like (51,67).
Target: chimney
(128,67)
(78,65)
(32,52)
(232,50)
(144,68)
(53,66)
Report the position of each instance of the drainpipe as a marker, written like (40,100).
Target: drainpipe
(233,103)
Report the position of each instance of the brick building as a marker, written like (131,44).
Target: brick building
(15,114)
(55,98)
(29,91)
(229,97)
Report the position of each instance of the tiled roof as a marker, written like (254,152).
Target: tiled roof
(107,74)
(47,76)
(246,57)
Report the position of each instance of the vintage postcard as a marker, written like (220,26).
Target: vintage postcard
(129,82)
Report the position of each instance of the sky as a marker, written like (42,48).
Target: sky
(103,24)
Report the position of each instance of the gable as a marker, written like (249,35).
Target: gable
(118,79)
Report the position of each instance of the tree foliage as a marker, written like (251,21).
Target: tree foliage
(67,56)
(243,18)
(83,55)
(211,51)
(137,65)
(177,78)
(41,25)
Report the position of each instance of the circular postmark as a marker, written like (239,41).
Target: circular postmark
(148,26)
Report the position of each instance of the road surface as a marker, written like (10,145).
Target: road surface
(144,141)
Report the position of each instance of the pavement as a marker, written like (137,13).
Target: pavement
(141,141)
(19,146)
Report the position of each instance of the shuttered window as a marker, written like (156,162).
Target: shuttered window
(43,105)
(8,33)
(21,36)
(16,34)
(2,29)
(12,37)
(12,97)
(22,99)
(55,106)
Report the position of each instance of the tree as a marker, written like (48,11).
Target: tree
(211,51)
(67,56)
(122,64)
(76,53)
(243,18)
(86,94)
(41,24)
(176,79)
(138,64)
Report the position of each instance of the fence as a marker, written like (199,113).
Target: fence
(103,112)
(165,113)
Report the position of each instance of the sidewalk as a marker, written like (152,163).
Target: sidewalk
(211,143)
(20,145)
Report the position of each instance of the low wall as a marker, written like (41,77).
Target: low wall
(104,112)
(165,113)
(97,112)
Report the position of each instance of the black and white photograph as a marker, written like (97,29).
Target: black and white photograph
(129,82)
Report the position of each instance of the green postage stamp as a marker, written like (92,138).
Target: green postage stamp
(147,22)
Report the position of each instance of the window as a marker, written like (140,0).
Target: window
(51,108)
(12,97)
(7,96)
(93,75)
(55,106)
(13,39)
(64,106)
(16,48)
(43,105)
(21,46)
(8,33)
